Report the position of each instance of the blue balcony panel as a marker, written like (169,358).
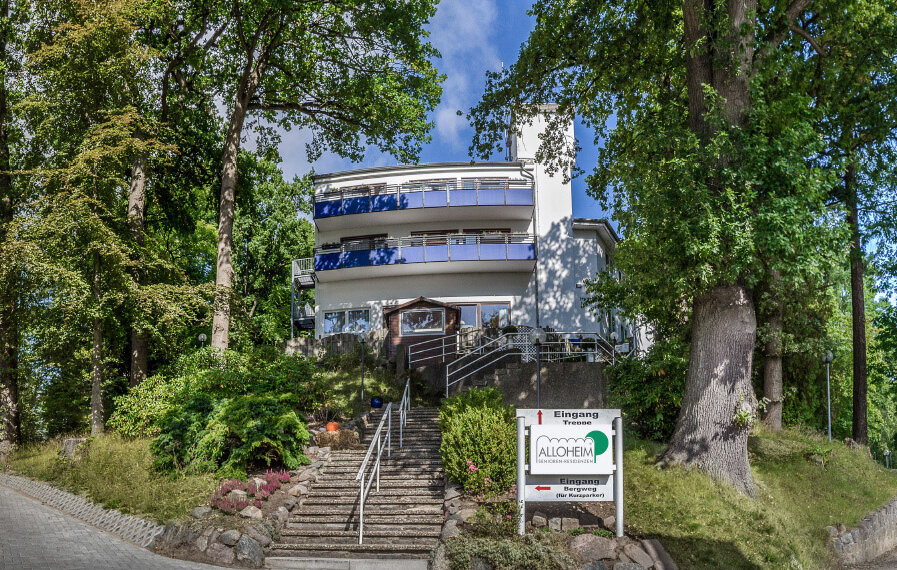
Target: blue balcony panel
(492,197)
(493,252)
(385,256)
(464,252)
(520,196)
(356,258)
(521,251)
(435,199)
(413,254)
(436,253)
(325,261)
(361,205)
(384,203)
(411,200)
(463,197)
(328,208)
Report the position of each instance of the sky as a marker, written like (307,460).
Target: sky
(472,36)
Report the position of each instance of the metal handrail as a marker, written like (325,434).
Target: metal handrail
(439,349)
(404,407)
(303,266)
(430,240)
(422,186)
(378,442)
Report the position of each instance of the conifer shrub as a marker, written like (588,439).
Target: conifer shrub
(479,439)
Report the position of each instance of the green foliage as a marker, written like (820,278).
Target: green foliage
(649,390)
(530,552)
(231,435)
(118,474)
(479,442)
(495,519)
(263,371)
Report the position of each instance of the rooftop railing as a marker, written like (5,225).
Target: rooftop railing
(423,194)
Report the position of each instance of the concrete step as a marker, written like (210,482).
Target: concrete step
(391,477)
(291,534)
(432,527)
(375,498)
(352,550)
(315,563)
(369,519)
(422,492)
(399,485)
(351,509)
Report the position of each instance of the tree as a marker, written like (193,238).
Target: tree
(354,72)
(699,155)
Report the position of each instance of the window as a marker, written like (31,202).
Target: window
(431,237)
(495,315)
(363,243)
(423,321)
(468,315)
(353,320)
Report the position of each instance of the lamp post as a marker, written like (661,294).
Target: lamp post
(827,360)
(537,337)
(202,340)
(613,343)
(362,338)
(888,458)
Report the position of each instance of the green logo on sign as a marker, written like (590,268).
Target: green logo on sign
(600,442)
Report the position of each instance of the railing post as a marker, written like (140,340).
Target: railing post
(388,443)
(361,512)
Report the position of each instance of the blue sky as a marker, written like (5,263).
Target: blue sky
(473,36)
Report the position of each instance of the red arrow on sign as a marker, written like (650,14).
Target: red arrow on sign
(538,488)
(540,417)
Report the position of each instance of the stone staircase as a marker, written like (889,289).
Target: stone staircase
(403,520)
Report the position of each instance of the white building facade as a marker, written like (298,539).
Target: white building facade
(496,239)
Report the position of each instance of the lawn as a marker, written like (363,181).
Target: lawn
(707,525)
(117,473)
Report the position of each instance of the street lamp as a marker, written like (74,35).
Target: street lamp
(362,338)
(202,339)
(537,337)
(888,458)
(827,360)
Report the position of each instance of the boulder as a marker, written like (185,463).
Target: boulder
(452,493)
(662,559)
(249,552)
(539,519)
(467,513)
(597,565)
(628,566)
(638,555)
(477,563)
(251,512)
(258,533)
(281,515)
(568,523)
(589,547)
(554,523)
(229,537)
(297,490)
(238,495)
(290,504)
(201,512)
(256,483)
(450,529)
(610,523)
(220,554)
(308,475)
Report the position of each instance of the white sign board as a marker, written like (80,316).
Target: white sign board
(548,488)
(571,450)
(535,417)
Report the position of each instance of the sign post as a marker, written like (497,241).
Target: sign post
(575,455)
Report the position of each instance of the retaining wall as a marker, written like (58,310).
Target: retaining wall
(875,535)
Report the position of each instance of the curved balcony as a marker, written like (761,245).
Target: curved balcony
(451,253)
(467,199)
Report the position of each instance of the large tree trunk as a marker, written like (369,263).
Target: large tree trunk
(858,306)
(97,422)
(718,389)
(137,221)
(224,273)
(772,372)
(10,425)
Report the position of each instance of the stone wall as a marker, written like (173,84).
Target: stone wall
(564,385)
(875,535)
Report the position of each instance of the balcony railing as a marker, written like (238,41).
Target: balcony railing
(432,194)
(426,249)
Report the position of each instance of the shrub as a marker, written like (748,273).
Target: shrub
(479,439)
(262,370)
(531,552)
(495,519)
(231,434)
(273,480)
(649,390)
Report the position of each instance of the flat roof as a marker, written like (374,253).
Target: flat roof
(421,166)
(604,223)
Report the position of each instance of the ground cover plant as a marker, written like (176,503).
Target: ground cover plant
(257,491)
(118,473)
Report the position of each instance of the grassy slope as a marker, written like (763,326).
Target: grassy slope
(117,473)
(707,525)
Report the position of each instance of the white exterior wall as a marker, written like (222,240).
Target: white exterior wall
(564,256)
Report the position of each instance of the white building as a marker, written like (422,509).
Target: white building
(497,239)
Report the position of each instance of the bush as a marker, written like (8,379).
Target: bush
(263,370)
(649,390)
(531,552)
(232,434)
(479,440)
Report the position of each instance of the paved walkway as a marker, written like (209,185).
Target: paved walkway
(38,537)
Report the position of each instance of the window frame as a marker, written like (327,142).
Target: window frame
(428,332)
(345,319)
